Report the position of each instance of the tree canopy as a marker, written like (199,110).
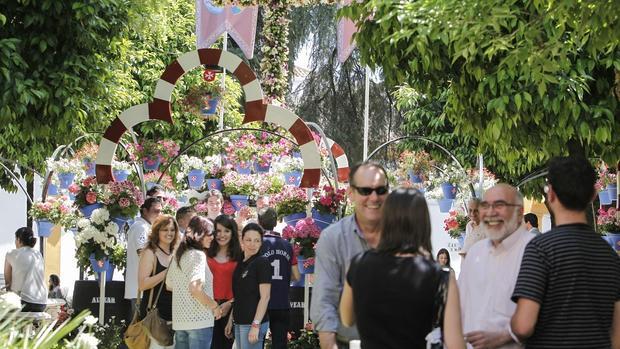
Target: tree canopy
(527,79)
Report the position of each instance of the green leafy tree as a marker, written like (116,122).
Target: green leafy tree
(526,80)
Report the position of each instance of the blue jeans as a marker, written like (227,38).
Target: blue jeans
(189,339)
(241,336)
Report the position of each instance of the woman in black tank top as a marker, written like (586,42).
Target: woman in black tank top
(390,292)
(158,252)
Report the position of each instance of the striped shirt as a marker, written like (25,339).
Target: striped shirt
(575,276)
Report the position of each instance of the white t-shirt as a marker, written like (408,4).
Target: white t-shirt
(137,236)
(27,274)
(472,235)
(187,312)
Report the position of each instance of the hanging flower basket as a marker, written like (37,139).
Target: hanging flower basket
(322,220)
(303,265)
(215,183)
(151,163)
(449,190)
(244,167)
(100,266)
(258,168)
(612,192)
(66,179)
(121,221)
(445,205)
(52,189)
(292,219)
(603,197)
(120,175)
(292,178)
(239,201)
(44,228)
(196,178)
(89,167)
(415,177)
(87,210)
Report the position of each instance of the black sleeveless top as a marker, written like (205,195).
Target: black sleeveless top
(164,304)
(393,299)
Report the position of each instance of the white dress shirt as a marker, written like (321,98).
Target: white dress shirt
(488,277)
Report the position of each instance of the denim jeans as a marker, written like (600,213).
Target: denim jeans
(241,336)
(189,339)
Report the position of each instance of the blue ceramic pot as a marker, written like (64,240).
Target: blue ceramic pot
(215,183)
(44,228)
(415,177)
(603,197)
(258,168)
(151,164)
(612,192)
(449,190)
(66,179)
(322,220)
(445,205)
(293,218)
(120,175)
(87,210)
(614,240)
(292,178)
(238,201)
(107,266)
(196,178)
(90,167)
(302,269)
(244,167)
(52,189)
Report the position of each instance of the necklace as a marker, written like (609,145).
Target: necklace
(162,250)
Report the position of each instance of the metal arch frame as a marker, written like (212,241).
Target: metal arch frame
(15,177)
(421,138)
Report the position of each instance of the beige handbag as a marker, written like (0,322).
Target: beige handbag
(153,324)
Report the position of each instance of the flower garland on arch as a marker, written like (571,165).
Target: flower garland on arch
(274,63)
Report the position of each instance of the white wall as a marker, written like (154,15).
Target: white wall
(440,239)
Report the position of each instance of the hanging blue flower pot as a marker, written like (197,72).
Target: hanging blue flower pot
(614,240)
(90,167)
(87,210)
(239,201)
(66,178)
(99,267)
(302,268)
(415,177)
(244,167)
(121,221)
(612,192)
(120,175)
(215,183)
(461,240)
(44,228)
(292,178)
(445,205)
(211,106)
(293,218)
(449,190)
(151,163)
(196,178)
(52,189)
(322,220)
(603,197)
(258,168)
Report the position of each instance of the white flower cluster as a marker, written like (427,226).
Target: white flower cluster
(64,166)
(189,163)
(121,165)
(287,164)
(435,193)
(85,341)
(99,229)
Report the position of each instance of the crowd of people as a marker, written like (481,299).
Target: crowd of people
(220,280)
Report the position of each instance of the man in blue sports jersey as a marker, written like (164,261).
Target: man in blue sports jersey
(283,262)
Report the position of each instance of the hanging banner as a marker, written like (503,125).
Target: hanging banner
(239,22)
(346,29)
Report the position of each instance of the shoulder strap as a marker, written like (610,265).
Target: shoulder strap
(160,286)
(150,303)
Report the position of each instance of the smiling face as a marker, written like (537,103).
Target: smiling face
(167,234)
(222,235)
(368,208)
(207,239)
(251,242)
(498,223)
(473,212)
(214,206)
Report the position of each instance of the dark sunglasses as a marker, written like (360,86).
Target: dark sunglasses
(365,191)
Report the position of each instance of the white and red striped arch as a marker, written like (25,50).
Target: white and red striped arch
(342,162)
(255,110)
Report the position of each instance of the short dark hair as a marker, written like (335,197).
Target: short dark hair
(572,180)
(405,223)
(367,163)
(184,211)
(268,218)
(154,189)
(253,226)
(148,203)
(26,236)
(532,219)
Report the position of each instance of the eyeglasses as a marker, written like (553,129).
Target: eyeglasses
(365,191)
(500,205)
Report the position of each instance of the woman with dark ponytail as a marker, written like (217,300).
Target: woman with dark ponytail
(23,271)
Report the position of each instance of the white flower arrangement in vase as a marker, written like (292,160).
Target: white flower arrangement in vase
(122,165)
(65,166)
(189,163)
(99,236)
(434,194)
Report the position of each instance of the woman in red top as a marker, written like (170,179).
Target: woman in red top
(222,258)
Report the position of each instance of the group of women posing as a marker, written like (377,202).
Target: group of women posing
(207,289)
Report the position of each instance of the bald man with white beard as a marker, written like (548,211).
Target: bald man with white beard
(489,273)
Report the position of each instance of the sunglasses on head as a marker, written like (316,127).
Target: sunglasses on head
(365,191)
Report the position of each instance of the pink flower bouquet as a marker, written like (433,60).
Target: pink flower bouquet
(303,237)
(123,199)
(58,210)
(455,223)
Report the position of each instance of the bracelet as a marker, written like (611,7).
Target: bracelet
(253,325)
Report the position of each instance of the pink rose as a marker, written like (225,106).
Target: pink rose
(91,197)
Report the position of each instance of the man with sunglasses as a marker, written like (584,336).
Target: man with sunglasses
(338,244)
(489,272)
(568,289)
